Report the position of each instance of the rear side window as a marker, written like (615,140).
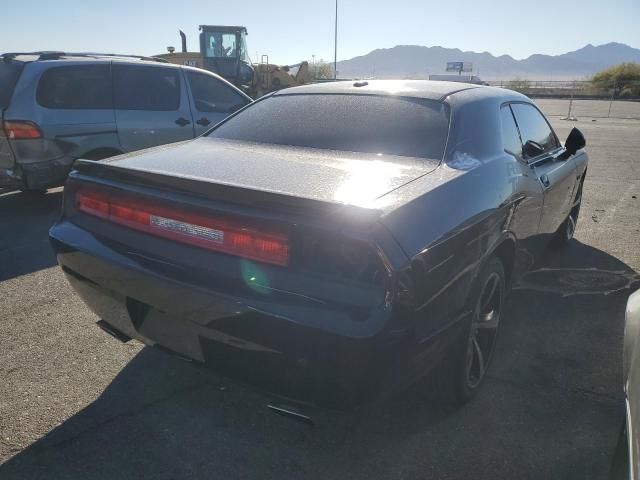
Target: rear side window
(211,95)
(146,88)
(76,87)
(510,135)
(533,126)
(358,123)
(9,73)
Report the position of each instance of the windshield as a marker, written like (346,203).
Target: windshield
(358,123)
(220,45)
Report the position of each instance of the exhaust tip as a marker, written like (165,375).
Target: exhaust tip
(290,412)
(114,332)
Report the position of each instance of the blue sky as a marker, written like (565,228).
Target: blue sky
(290,31)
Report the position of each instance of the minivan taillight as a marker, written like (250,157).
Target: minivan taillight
(200,230)
(21,130)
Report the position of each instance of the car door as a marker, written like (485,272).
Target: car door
(528,209)
(554,174)
(212,100)
(151,105)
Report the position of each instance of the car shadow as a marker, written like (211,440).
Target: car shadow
(25,220)
(551,407)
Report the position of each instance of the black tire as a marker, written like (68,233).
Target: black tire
(463,370)
(567,229)
(101,154)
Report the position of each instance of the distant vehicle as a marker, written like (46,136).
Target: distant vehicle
(223,50)
(458,78)
(631,382)
(57,107)
(331,258)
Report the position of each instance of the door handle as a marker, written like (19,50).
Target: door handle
(545,180)
(183,122)
(203,121)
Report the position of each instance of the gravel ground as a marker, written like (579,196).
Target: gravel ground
(75,403)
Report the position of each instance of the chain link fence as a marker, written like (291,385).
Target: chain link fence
(572,99)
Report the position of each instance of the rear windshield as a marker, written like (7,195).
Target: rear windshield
(9,73)
(358,123)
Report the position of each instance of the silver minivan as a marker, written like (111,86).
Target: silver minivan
(57,107)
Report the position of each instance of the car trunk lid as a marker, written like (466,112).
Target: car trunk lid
(229,208)
(331,177)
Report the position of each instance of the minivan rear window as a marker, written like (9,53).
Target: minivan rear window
(76,87)
(9,74)
(146,88)
(385,124)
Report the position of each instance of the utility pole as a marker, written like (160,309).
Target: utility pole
(335,46)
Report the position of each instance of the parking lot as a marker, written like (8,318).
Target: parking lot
(76,403)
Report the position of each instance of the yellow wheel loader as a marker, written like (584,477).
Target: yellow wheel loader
(223,50)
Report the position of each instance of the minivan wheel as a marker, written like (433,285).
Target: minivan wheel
(463,370)
(101,154)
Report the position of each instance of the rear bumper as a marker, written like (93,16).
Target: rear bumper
(37,175)
(272,347)
(47,174)
(11,178)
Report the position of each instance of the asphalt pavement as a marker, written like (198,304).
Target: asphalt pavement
(75,403)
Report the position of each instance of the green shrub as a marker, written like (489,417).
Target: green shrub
(622,80)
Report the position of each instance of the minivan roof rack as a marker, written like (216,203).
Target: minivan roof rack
(56,55)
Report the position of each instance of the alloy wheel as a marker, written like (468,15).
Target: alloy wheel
(484,329)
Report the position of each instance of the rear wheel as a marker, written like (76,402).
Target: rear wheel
(462,372)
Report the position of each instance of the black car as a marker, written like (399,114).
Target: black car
(330,243)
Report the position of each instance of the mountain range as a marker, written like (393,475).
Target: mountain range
(414,61)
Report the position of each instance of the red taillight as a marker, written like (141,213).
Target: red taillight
(217,234)
(93,203)
(21,130)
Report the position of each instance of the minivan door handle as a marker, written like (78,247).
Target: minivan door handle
(203,121)
(183,122)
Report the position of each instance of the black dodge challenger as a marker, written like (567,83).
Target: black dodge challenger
(329,244)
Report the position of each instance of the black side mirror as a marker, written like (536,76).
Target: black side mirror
(532,149)
(575,141)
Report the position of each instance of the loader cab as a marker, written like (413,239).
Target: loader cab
(224,51)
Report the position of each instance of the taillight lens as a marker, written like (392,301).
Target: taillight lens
(21,130)
(217,234)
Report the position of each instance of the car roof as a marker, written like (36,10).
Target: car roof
(428,89)
(77,56)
